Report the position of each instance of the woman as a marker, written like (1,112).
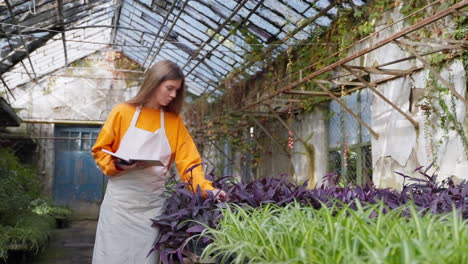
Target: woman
(147,126)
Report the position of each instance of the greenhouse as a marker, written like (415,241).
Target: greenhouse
(233,131)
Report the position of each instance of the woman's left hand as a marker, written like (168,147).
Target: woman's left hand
(219,194)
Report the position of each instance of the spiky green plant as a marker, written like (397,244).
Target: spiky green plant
(371,234)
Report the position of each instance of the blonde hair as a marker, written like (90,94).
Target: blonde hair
(162,71)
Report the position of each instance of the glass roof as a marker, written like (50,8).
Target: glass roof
(207,38)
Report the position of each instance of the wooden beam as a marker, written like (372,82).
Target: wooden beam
(376,70)
(281,120)
(339,82)
(431,45)
(349,110)
(433,71)
(219,149)
(64,121)
(313,93)
(258,114)
(268,133)
(443,41)
(373,86)
(280,100)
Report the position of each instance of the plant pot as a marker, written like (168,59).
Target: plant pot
(19,254)
(62,222)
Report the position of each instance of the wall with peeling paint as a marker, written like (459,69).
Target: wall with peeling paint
(400,146)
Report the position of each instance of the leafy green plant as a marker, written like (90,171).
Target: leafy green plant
(46,207)
(3,242)
(30,232)
(18,186)
(25,219)
(370,234)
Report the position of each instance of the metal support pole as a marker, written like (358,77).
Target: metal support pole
(349,110)
(373,86)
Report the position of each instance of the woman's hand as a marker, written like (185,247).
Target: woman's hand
(134,166)
(219,194)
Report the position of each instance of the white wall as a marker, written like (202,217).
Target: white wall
(402,147)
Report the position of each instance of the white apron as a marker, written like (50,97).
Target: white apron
(124,234)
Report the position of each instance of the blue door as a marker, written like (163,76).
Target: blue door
(77,178)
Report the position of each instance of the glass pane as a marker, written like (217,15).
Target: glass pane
(75,141)
(366,101)
(334,127)
(62,141)
(86,142)
(351,124)
(93,138)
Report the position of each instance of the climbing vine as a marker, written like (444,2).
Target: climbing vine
(439,104)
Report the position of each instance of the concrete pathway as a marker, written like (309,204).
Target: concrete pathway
(72,245)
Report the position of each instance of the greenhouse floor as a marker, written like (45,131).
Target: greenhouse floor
(71,245)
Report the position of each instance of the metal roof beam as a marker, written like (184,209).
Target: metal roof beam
(62,27)
(217,31)
(225,38)
(166,18)
(169,32)
(6,87)
(118,8)
(288,36)
(10,10)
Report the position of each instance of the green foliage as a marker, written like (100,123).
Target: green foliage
(309,103)
(30,232)
(462,25)
(410,7)
(371,234)
(18,186)
(46,207)
(25,218)
(122,62)
(438,104)
(3,242)
(438,58)
(250,38)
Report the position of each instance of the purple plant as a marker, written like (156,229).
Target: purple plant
(430,195)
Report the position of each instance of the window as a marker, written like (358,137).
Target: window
(349,142)
(76,139)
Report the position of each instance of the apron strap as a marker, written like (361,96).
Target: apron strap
(162,120)
(135,116)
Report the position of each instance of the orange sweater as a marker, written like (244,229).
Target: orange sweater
(184,151)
